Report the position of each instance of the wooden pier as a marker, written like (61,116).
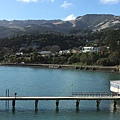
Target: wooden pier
(77,96)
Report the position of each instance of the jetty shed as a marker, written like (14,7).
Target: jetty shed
(115,86)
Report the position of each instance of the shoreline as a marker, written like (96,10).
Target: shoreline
(57,66)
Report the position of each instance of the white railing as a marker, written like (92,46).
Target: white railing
(94,94)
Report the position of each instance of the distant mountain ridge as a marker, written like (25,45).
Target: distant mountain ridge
(88,21)
(99,21)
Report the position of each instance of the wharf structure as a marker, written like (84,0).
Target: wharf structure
(114,96)
(76,96)
(78,67)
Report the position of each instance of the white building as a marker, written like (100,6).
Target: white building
(64,52)
(46,53)
(89,49)
(115,86)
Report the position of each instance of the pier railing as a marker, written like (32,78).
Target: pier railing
(77,96)
(94,94)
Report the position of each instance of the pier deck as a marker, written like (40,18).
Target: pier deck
(64,98)
(77,96)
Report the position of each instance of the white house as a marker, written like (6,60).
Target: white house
(19,53)
(89,49)
(46,53)
(64,52)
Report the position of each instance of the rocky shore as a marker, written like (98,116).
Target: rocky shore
(57,66)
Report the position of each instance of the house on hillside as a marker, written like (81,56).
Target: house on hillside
(19,53)
(90,49)
(75,51)
(61,52)
(46,53)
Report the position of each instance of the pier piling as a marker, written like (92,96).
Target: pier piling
(13,103)
(36,104)
(97,103)
(77,103)
(115,104)
(57,103)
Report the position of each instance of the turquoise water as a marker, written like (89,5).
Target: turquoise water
(26,81)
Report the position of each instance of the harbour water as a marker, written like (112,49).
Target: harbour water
(28,81)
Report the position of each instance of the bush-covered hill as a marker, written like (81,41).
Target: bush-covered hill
(87,22)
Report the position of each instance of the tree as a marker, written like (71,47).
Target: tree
(104,62)
(55,48)
(34,57)
(74,58)
(93,57)
(115,58)
(84,58)
(2,56)
(112,40)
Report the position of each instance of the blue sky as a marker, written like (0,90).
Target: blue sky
(55,9)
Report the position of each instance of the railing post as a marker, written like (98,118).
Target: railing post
(7,101)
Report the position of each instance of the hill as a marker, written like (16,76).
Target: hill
(90,21)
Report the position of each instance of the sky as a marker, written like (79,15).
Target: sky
(55,9)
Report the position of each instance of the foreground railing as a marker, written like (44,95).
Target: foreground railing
(77,96)
(94,94)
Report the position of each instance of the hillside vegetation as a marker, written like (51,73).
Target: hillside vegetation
(32,45)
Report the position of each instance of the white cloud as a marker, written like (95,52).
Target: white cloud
(66,4)
(28,1)
(47,0)
(70,17)
(109,1)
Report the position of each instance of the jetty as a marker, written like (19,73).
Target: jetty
(62,66)
(76,96)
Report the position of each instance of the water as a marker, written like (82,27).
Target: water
(26,81)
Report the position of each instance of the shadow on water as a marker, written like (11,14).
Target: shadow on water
(36,110)
(57,110)
(13,110)
(77,109)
